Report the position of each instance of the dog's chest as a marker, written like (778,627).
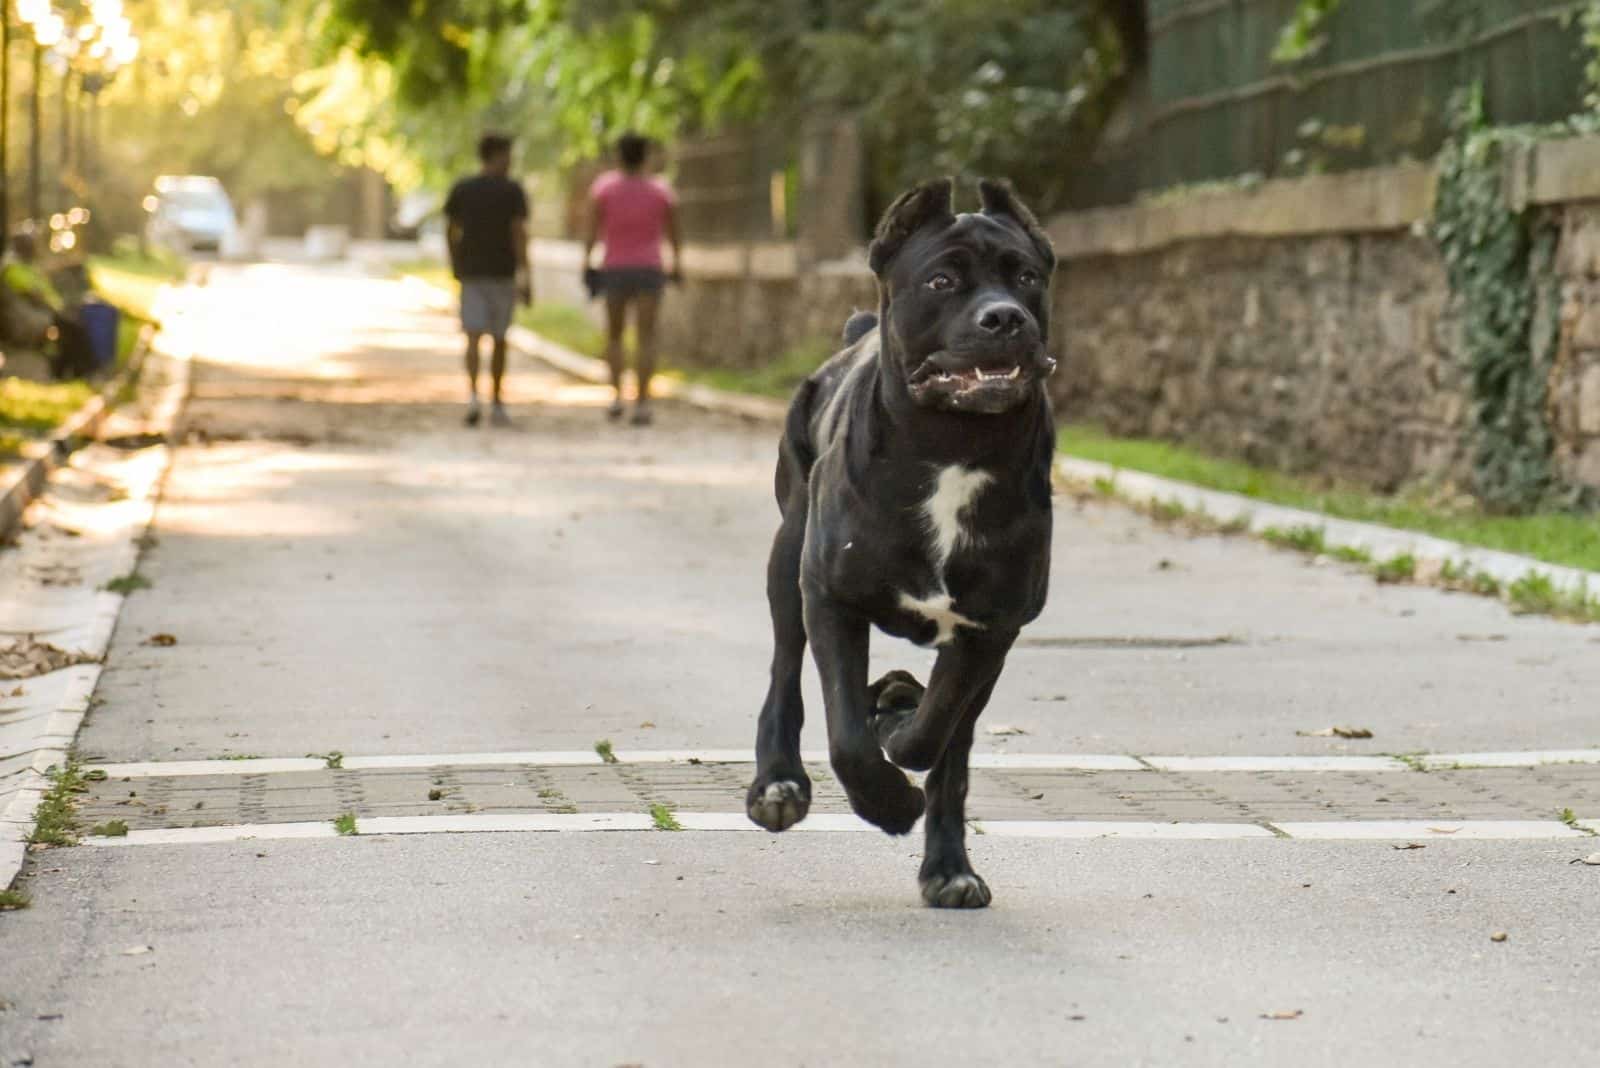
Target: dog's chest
(947,526)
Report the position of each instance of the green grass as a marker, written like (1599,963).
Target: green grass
(565,324)
(11,900)
(603,748)
(110,829)
(663,818)
(32,408)
(1396,569)
(1305,539)
(345,823)
(131,282)
(126,584)
(779,378)
(1555,537)
(56,822)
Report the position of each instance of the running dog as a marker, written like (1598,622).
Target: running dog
(914,484)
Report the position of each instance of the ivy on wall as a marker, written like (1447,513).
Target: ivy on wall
(1500,266)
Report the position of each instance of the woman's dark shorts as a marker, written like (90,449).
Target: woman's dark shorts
(632,281)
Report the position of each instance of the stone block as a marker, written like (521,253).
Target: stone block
(1589,400)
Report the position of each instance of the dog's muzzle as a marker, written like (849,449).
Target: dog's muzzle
(985,381)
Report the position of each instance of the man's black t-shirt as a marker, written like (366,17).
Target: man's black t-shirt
(484,206)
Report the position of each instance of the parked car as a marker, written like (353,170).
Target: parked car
(190,213)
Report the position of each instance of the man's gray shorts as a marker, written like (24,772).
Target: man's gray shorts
(487,304)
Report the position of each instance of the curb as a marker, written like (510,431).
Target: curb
(49,746)
(1255,517)
(24,485)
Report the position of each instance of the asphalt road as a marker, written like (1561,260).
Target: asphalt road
(345,567)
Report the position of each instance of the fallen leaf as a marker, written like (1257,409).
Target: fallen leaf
(1036,797)
(1498,936)
(138,951)
(1001,729)
(163,640)
(1337,732)
(1411,845)
(1286,1014)
(646,725)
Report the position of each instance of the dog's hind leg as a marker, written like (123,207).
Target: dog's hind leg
(947,878)
(780,795)
(915,736)
(879,792)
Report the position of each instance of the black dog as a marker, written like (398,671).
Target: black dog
(914,482)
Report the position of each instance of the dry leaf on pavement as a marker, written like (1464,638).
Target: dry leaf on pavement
(1337,732)
(163,640)
(1284,1014)
(1001,729)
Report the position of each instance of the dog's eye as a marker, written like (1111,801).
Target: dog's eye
(940,281)
(1028,278)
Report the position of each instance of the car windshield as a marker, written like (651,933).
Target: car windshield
(196,199)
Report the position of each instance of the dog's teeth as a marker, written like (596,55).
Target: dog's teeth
(1016,372)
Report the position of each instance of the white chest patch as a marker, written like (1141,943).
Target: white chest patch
(944,513)
(944,510)
(939,609)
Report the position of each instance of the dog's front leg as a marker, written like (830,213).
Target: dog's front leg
(966,670)
(947,878)
(879,792)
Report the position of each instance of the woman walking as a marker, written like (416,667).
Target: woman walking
(629,213)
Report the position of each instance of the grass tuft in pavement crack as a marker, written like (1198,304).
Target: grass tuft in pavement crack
(345,823)
(56,822)
(1569,817)
(11,900)
(663,817)
(1304,538)
(333,758)
(1414,761)
(603,748)
(1397,569)
(110,829)
(126,584)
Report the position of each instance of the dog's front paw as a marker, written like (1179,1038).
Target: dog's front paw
(778,803)
(956,890)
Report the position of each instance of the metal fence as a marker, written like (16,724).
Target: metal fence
(1214,105)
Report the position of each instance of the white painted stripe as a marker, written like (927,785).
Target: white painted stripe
(1427,830)
(1529,759)
(478,823)
(204,835)
(1056,762)
(507,821)
(992,761)
(1278,763)
(185,768)
(549,758)
(1116,829)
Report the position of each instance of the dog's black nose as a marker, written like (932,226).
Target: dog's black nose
(1003,320)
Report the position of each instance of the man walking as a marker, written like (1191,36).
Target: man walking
(488,236)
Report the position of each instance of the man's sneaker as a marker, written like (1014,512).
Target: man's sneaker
(474,412)
(498,416)
(614,413)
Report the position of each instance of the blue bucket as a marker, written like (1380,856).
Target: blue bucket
(99,321)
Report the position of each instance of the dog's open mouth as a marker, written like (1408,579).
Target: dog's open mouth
(990,385)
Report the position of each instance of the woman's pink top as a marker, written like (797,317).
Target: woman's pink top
(633,216)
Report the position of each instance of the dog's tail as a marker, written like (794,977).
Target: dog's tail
(858,325)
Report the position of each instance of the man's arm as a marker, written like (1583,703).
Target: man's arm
(519,241)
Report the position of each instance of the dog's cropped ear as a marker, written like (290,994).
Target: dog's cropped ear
(910,212)
(998,198)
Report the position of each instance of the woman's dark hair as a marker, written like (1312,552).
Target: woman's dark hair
(632,149)
(491,145)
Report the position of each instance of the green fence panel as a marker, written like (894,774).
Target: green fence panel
(1217,106)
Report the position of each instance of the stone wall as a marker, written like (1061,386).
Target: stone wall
(1322,353)
(1300,324)
(1575,376)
